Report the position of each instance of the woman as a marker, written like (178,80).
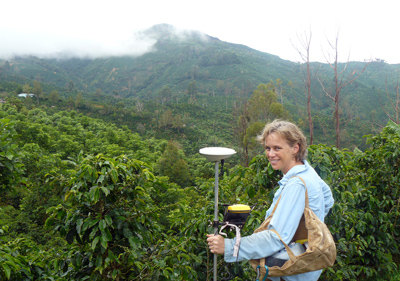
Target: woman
(286,149)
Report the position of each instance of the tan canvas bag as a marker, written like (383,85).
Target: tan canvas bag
(321,251)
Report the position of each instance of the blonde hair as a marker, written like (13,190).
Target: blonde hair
(288,131)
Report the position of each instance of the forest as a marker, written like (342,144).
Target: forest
(85,199)
(101,176)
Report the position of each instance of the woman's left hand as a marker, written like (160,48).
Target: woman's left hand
(216,243)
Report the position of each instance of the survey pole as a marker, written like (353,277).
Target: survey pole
(216,216)
(216,154)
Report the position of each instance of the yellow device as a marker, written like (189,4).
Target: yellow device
(239,208)
(236,214)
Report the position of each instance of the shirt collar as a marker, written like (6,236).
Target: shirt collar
(292,172)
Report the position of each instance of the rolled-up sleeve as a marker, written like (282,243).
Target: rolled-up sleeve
(255,246)
(285,221)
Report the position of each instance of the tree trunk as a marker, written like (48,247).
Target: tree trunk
(337,93)
(308,83)
(305,41)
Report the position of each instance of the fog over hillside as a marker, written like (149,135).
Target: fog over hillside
(55,45)
(116,44)
(98,29)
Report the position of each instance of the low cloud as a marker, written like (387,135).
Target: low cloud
(52,45)
(161,30)
(89,43)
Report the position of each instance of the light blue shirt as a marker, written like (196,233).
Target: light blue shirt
(286,218)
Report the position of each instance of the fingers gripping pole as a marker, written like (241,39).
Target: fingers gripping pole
(216,215)
(238,237)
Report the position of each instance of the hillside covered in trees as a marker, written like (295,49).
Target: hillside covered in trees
(195,70)
(83,199)
(101,178)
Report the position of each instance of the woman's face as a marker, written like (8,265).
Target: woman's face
(279,153)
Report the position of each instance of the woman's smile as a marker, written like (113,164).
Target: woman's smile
(280,154)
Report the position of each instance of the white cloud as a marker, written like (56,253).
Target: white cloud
(50,44)
(98,28)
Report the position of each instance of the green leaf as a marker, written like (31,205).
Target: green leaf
(69,193)
(104,242)
(49,222)
(108,220)
(112,257)
(99,261)
(93,222)
(9,166)
(101,179)
(61,214)
(70,236)
(96,196)
(105,190)
(89,223)
(95,241)
(127,232)
(114,175)
(7,270)
(133,242)
(102,225)
(114,274)
(93,233)
(9,156)
(79,225)
(108,234)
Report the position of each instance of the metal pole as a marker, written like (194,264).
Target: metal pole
(216,215)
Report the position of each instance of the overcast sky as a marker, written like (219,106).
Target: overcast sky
(367,29)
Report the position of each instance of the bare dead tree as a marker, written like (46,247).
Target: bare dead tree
(279,89)
(341,80)
(240,130)
(305,42)
(394,104)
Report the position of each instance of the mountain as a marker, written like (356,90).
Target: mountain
(179,57)
(176,59)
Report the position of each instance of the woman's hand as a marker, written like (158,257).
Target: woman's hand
(216,243)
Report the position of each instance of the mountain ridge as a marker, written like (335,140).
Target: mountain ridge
(189,49)
(179,57)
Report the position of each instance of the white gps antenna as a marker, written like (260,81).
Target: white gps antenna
(216,154)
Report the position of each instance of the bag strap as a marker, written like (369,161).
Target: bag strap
(288,250)
(306,195)
(307,205)
(276,205)
(292,256)
(262,266)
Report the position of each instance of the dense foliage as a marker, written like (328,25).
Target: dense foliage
(9,156)
(92,201)
(101,177)
(181,76)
